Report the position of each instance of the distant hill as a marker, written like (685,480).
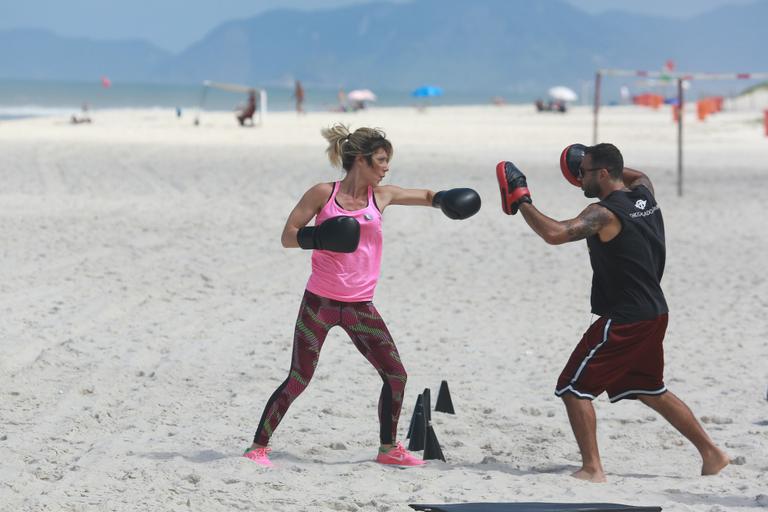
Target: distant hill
(504,45)
(753,98)
(38,54)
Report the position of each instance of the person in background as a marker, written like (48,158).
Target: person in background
(246,113)
(84,117)
(298,95)
(341,96)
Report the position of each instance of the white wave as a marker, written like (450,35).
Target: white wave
(37,111)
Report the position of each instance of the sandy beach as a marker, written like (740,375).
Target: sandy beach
(147,312)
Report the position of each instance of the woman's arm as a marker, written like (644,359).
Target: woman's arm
(392,194)
(456,203)
(308,206)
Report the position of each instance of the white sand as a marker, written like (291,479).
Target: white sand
(148,309)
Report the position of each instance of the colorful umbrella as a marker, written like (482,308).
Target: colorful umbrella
(361,95)
(427,91)
(562,93)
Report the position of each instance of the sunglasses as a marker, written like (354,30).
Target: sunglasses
(584,171)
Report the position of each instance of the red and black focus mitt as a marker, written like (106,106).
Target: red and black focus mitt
(513,186)
(570,163)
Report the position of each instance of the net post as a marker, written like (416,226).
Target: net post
(680,104)
(596,106)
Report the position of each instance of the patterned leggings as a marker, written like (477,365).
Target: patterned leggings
(365,326)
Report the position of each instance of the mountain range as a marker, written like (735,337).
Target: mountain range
(504,45)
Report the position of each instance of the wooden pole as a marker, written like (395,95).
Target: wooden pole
(596,107)
(680,105)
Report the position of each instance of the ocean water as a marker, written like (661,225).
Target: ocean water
(22,98)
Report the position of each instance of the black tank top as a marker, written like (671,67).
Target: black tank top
(626,284)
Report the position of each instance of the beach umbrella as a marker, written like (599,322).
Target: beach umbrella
(562,93)
(361,95)
(427,91)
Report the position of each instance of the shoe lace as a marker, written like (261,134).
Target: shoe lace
(262,452)
(399,448)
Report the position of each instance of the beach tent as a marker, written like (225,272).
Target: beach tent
(261,98)
(534,507)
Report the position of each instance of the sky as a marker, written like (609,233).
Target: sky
(175,24)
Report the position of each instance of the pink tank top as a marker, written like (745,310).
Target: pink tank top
(349,277)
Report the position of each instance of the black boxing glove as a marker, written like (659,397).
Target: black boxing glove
(570,163)
(513,186)
(337,234)
(457,203)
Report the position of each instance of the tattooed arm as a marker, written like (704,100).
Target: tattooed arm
(593,220)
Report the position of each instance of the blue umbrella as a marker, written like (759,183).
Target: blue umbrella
(427,91)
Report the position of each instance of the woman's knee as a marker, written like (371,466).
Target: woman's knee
(396,378)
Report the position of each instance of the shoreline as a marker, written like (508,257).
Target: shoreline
(32,112)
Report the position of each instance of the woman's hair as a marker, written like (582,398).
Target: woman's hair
(344,147)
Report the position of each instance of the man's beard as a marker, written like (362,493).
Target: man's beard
(591,191)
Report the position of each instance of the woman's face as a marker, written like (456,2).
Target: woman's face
(379,167)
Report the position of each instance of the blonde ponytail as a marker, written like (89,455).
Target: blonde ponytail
(344,146)
(336,135)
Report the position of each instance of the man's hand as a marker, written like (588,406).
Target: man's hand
(513,187)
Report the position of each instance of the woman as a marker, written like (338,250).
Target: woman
(347,243)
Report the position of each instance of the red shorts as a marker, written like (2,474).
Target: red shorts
(625,360)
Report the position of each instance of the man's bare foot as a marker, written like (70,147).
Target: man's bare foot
(594,476)
(714,462)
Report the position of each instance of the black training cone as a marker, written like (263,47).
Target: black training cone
(426,400)
(444,402)
(419,407)
(419,430)
(432,446)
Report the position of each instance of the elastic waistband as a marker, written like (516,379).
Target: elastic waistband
(334,301)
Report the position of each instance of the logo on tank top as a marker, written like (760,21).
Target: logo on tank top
(640,204)
(368,216)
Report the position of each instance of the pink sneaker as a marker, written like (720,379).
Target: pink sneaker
(399,456)
(259,456)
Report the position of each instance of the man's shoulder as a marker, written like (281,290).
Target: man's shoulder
(598,215)
(641,188)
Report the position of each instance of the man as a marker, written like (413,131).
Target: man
(622,351)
